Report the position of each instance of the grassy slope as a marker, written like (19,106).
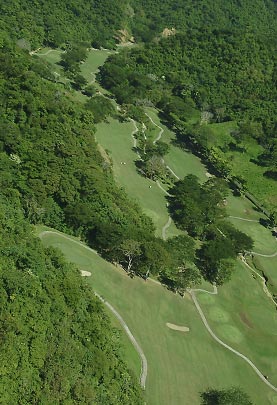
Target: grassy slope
(182,365)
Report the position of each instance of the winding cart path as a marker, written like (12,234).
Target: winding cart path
(207,326)
(144,368)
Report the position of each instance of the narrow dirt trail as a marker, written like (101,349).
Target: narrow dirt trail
(167,225)
(46,53)
(242,356)
(244,219)
(163,189)
(156,125)
(157,139)
(144,367)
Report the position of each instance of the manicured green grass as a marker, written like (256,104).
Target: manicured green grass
(95,59)
(269,267)
(50,55)
(128,352)
(182,365)
(243,317)
(263,241)
(242,207)
(115,137)
(181,162)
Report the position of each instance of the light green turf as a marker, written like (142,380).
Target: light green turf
(182,365)
(268,265)
(128,351)
(222,131)
(182,162)
(53,55)
(244,317)
(95,59)
(242,207)
(263,188)
(263,241)
(116,138)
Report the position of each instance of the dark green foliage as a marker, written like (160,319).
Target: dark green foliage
(48,153)
(70,59)
(101,107)
(231,396)
(222,244)
(152,16)
(89,90)
(56,22)
(57,344)
(193,206)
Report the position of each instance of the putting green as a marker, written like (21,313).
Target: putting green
(180,365)
(229,333)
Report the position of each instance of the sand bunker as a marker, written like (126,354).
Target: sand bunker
(176,327)
(85,273)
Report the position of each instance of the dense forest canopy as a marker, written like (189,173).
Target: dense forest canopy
(56,22)
(152,16)
(57,344)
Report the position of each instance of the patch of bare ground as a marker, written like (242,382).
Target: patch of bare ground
(85,273)
(176,327)
(167,32)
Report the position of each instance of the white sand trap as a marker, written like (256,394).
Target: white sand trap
(176,327)
(85,273)
(209,174)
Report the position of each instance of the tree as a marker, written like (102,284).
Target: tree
(154,167)
(79,82)
(181,248)
(131,251)
(101,107)
(231,396)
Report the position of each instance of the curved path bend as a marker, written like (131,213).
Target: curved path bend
(46,53)
(262,255)
(167,225)
(242,356)
(156,125)
(143,374)
(144,368)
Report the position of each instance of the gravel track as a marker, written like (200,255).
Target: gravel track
(156,125)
